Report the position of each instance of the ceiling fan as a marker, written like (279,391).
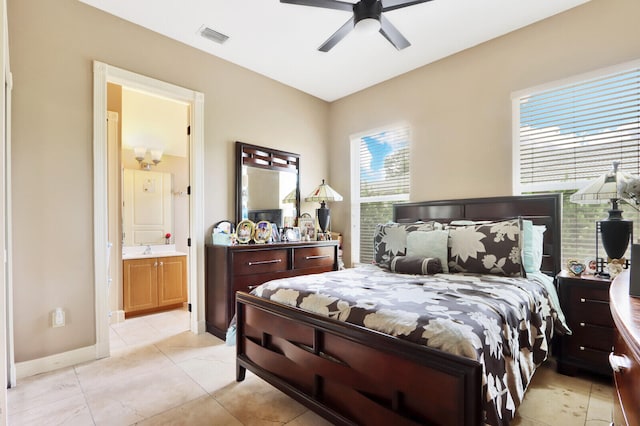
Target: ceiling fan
(367,16)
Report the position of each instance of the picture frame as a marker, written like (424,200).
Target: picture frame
(275,233)
(262,232)
(244,231)
(293,234)
(307,227)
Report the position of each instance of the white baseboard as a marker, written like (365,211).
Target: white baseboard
(116,317)
(55,362)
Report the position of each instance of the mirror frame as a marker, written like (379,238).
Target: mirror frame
(264,158)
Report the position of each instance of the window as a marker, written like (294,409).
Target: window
(570,132)
(380,177)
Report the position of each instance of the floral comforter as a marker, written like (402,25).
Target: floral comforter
(503,323)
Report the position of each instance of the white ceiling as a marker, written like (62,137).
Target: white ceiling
(280,41)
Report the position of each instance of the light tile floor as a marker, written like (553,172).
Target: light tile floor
(161,374)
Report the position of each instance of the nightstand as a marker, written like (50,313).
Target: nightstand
(585,303)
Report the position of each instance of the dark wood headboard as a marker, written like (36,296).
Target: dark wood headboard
(542,209)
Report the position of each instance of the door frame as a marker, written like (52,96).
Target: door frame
(103,74)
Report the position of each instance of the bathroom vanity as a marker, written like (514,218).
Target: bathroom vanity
(153,279)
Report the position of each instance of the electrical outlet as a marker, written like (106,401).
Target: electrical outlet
(57,318)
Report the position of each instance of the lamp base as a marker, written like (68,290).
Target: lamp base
(616,234)
(324,217)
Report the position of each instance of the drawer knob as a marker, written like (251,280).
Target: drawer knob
(583,300)
(619,363)
(582,348)
(582,324)
(265,262)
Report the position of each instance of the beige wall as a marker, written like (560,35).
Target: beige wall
(52,47)
(459,108)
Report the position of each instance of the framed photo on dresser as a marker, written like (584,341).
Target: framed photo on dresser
(307,227)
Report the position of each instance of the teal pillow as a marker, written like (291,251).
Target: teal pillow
(429,244)
(532,245)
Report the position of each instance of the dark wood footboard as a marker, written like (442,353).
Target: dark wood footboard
(351,375)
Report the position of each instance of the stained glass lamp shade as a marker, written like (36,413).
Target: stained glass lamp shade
(323,194)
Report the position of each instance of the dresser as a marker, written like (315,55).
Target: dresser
(585,303)
(625,358)
(243,267)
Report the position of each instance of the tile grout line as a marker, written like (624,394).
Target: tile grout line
(84,395)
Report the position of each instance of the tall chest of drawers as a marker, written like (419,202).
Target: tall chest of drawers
(585,303)
(230,269)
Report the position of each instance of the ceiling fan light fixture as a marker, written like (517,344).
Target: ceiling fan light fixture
(367,26)
(367,17)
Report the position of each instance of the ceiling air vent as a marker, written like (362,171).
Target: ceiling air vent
(213,35)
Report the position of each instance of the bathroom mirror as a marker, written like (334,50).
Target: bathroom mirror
(147,207)
(267,184)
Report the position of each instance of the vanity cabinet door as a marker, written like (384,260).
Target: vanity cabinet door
(140,284)
(172,280)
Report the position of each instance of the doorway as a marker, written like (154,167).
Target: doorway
(104,74)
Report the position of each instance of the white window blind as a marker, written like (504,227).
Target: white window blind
(381,178)
(572,133)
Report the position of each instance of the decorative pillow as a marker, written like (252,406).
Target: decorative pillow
(416,265)
(532,245)
(492,248)
(429,244)
(390,240)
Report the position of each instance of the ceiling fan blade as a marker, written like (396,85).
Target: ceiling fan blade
(337,36)
(326,4)
(392,34)
(388,5)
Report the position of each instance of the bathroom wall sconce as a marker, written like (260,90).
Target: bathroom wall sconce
(140,152)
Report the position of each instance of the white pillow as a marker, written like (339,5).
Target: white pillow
(429,244)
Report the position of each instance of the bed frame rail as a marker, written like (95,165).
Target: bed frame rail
(351,375)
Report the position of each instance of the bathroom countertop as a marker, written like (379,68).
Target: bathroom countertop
(138,252)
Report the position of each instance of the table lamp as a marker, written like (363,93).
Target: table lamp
(614,230)
(323,194)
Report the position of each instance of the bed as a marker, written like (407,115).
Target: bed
(351,374)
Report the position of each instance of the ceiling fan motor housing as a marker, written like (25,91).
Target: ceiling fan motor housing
(367,9)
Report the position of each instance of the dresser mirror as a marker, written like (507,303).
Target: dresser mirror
(267,185)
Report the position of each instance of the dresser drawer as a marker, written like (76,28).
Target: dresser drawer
(626,381)
(260,262)
(589,305)
(313,257)
(247,283)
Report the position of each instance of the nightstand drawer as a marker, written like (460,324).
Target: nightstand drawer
(586,305)
(588,353)
(590,335)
